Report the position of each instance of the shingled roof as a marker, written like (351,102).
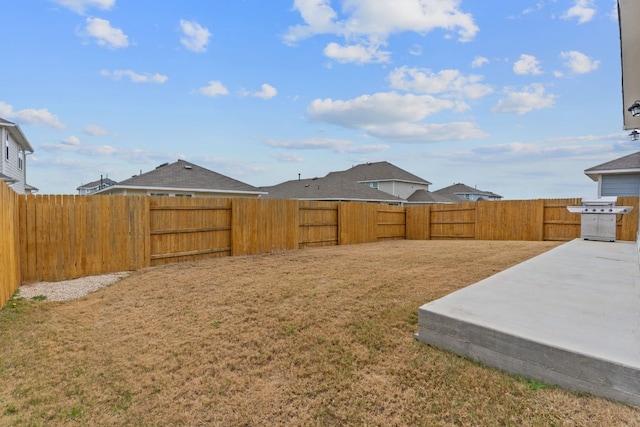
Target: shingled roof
(457,189)
(333,187)
(423,197)
(379,171)
(103,182)
(183,175)
(626,164)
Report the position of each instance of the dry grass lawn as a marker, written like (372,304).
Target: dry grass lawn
(315,337)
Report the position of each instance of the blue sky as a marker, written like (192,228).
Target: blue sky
(514,97)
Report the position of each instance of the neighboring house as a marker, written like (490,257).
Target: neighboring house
(380,182)
(13,166)
(466,193)
(424,197)
(95,186)
(182,179)
(618,177)
(386,177)
(330,188)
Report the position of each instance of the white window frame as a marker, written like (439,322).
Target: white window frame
(20,159)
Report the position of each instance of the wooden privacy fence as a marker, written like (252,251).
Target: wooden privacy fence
(9,243)
(50,238)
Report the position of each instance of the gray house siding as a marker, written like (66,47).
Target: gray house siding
(620,185)
(10,161)
(401,189)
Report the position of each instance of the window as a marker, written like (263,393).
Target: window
(20,159)
(373,184)
(159,194)
(6,149)
(183,195)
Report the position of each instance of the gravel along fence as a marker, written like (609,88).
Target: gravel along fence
(69,289)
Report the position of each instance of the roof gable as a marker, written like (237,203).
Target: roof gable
(186,175)
(331,187)
(424,196)
(17,135)
(379,171)
(94,184)
(465,189)
(630,161)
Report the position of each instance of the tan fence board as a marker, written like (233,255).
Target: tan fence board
(318,224)
(391,222)
(357,223)
(454,221)
(9,243)
(188,229)
(560,224)
(262,226)
(509,220)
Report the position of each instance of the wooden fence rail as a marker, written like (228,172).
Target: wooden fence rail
(50,238)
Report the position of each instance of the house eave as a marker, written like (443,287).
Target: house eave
(174,189)
(394,180)
(596,173)
(344,199)
(22,139)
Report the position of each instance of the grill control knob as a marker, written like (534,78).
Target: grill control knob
(610,210)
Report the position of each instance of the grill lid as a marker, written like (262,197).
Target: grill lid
(600,201)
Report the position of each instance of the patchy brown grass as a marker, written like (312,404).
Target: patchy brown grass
(312,337)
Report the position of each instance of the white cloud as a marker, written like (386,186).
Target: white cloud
(87,150)
(31,116)
(393,116)
(133,155)
(536,8)
(79,6)
(288,157)
(71,140)
(522,102)
(479,61)
(215,88)
(135,77)
(267,92)
(578,62)
(428,132)
(613,13)
(416,50)
(95,130)
(583,10)
(379,108)
(358,54)
(196,37)
(371,22)
(105,34)
(332,144)
(527,64)
(447,82)
(319,19)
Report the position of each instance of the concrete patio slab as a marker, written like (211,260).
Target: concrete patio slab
(569,317)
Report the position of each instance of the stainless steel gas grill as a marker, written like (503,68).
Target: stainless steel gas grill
(599,217)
